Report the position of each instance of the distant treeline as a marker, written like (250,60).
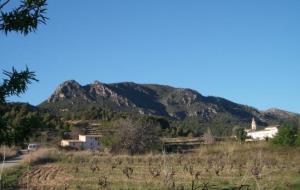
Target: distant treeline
(45,125)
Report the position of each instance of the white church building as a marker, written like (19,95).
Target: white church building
(266,133)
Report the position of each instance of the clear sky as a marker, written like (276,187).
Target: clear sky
(246,51)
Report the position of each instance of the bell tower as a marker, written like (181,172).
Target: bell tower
(253,124)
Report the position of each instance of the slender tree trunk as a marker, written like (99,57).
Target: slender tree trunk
(2,165)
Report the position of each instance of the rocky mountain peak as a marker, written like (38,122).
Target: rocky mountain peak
(70,83)
(280,113)
(96,82)
(67,90)
(160,100)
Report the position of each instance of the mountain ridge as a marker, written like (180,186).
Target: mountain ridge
(159,100)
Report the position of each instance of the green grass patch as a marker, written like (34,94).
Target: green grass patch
(12,176)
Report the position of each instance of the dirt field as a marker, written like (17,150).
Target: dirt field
(223,166)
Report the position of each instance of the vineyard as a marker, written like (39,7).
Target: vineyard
(43,176)
(222,166)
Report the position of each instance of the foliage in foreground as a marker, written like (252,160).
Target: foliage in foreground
(217,166)
(11,177)
(15,133)
(25,18)
(286,136)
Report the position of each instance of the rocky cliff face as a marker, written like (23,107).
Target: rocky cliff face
(150,99)
(68,90)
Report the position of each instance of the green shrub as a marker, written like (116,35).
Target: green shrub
(240,134)
(286,136)
(297,141)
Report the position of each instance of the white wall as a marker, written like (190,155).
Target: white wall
(89,142)
(262,135)
(86,142)
(66,143)
(82,138)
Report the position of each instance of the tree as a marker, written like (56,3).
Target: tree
(297,141)
(286,136)
(16,83)
(240,134)
(208,137)
(136,137)
(21,128)
(298,124)
(25,18)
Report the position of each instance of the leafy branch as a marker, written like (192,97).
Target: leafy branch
(25,18)
(3,4)
(16,83)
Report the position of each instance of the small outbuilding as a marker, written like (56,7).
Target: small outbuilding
(86,142)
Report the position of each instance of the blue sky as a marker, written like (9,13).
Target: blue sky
(245,51)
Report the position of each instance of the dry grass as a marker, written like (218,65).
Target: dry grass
(218,166)
(9,152)
(41,156)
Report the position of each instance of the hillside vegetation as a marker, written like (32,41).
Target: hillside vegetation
(183,108)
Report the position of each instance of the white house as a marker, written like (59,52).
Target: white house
(91,142)
(71,143)
(268,132)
